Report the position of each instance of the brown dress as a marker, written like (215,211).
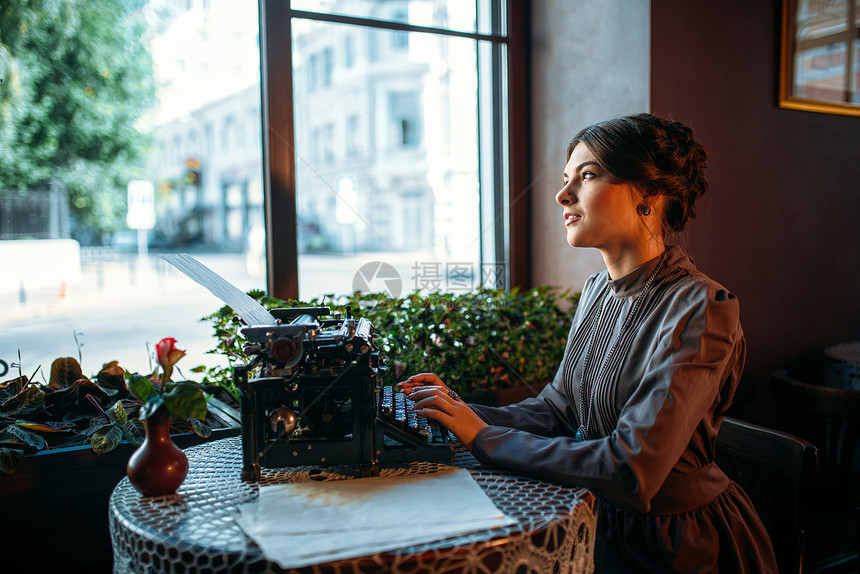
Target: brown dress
(651,364)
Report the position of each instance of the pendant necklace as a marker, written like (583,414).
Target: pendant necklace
(582,433)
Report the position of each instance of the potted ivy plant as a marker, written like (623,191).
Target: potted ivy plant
(491,345)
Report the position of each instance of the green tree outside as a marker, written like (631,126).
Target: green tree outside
(76,79)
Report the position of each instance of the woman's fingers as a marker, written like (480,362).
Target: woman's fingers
(424,379)
(420,380)
(434,400)
(423,393)
(437,404)
(425,397)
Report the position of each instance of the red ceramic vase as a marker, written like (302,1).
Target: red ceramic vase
(158,467)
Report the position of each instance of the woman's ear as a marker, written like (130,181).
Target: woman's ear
(654,198)
(642,199)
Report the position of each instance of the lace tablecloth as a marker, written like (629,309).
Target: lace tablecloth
(195,530)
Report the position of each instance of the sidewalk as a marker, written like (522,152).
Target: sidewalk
(99,287)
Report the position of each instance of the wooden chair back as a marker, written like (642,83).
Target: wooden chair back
(773,468)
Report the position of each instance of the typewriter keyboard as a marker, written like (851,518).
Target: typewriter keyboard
(395,407)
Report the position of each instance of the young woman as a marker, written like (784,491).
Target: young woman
(651,364)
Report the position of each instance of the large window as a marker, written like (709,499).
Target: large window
(369,150)
(157,106)
(393,174)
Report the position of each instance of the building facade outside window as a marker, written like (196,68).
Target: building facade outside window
(419,88)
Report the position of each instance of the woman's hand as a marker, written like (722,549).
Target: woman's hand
(434,400)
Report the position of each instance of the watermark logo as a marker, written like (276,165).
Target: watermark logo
(378,277)
(493,276)
(382,277)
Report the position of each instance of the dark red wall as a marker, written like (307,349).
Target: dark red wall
(780,225)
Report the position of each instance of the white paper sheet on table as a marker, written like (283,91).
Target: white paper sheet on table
(311,522)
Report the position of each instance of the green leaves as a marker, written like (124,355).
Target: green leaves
(140,387)
(48,427)
(200,428)
(65,372)
(185,400)
(149,407)
(80,78)
(117,413)
(106,439)
(134,432)
(28,437)
(486,339)
(73,410)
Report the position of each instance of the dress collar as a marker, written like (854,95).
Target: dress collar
(634,281)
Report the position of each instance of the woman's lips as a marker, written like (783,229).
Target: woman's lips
(571,218)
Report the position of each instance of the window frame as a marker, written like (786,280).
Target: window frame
(510,180)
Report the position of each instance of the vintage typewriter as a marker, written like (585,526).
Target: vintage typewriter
(312,394)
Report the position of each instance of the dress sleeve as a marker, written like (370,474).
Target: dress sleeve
(548,414)
(532,415)
(696,349)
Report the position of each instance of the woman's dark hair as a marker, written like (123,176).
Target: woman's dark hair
(658,155)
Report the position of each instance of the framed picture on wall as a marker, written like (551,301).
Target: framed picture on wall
(820,63)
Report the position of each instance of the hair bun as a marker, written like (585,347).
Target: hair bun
(683,160)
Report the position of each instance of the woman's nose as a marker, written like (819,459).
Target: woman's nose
(564,195)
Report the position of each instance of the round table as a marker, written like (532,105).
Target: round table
(195,529)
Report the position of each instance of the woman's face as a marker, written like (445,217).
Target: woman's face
(598,210)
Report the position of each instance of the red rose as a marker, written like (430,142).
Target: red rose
(167,355)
